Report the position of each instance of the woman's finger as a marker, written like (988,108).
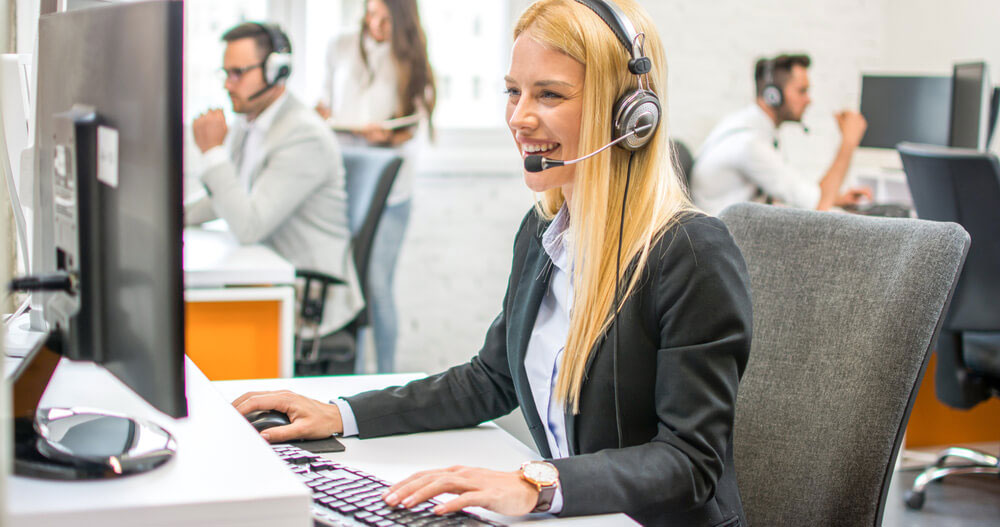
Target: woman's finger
(432,487)
(476,498)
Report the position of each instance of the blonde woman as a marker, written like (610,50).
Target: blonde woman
(633,410)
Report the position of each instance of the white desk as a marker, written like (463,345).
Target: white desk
(218,269)
(394,458)
(213,258)
(882,171)
(224,474)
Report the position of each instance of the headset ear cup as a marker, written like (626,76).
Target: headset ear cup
(277,67)
(634,110)
(772,96)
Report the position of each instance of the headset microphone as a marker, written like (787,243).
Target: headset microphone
(260,92)
(537,163)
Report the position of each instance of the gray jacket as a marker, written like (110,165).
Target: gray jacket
(297,204)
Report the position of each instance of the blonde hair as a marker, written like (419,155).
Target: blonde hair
(655,195)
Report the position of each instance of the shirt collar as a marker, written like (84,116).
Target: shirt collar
(556,238)
(264,120)
(759,119)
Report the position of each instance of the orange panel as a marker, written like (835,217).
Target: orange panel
(933,423)
(234,340)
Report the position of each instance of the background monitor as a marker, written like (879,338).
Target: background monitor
(109,129)
(970,107)
(905,108)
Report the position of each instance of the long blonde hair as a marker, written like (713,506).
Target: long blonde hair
(655,195)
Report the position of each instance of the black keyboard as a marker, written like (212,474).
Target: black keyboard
(346,497)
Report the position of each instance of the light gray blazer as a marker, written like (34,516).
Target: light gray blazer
(297,204)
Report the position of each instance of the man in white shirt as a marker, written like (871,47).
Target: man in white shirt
(281,180)
(741,160)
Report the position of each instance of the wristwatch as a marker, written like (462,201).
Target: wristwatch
(545,476)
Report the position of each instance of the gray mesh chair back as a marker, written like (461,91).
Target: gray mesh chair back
(845,310)
(370,174)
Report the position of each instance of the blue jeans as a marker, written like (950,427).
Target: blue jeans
(381,301)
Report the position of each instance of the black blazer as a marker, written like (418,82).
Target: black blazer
(683,345)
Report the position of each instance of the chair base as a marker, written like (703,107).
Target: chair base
(981,463)
(334,354)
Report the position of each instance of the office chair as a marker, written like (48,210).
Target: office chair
(370,174)
(845,310)
(684,161)
(962,186)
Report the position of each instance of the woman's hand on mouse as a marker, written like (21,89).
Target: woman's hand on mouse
(504,492)
(310,419)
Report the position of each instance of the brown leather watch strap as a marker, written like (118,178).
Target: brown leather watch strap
(545,496)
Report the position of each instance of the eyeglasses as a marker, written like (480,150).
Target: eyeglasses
(236,73)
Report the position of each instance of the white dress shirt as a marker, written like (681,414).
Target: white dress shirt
(740,161)
(545,347)
(358,94)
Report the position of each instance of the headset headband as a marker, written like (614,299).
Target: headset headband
(279,43)
(622,27)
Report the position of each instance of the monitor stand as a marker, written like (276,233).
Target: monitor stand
(77,443)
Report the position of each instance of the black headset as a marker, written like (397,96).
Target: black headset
(634,110)
(277,65)
(641,107)
(772,94)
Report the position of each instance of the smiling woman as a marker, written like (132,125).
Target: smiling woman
(639,422)
(544,109)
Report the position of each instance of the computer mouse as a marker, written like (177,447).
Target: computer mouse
(264,419)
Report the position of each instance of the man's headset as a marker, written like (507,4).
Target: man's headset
(772,94)
(636,114)
(277,65)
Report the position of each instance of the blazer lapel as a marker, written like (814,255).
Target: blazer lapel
(532,285)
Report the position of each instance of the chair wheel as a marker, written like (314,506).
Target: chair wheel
(914,500)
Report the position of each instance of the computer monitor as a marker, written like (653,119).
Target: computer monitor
(902,108)
(970,106)
(109,150)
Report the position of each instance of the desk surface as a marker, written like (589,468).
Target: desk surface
(213,258)
(224,474)
(394,458)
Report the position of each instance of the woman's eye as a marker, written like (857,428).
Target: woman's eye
(512,92)
(550,95)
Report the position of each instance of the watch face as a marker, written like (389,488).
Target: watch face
(541,473)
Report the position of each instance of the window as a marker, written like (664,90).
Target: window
(467,43)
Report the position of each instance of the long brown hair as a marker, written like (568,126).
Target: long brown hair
(415,90)
(656,197)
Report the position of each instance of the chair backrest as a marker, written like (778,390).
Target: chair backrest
(845,310)
(684,161)
(963,186)
(370,175)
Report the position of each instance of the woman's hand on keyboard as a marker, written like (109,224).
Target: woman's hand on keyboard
(504,492)
(310,419)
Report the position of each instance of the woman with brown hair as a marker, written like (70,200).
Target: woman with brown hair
(379,89)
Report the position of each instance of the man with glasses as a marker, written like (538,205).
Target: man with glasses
(276,176)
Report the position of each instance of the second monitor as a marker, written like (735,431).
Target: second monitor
(905,108)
